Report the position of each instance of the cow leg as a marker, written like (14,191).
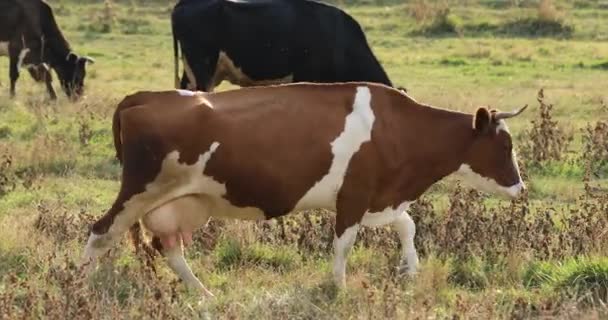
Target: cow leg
(173,251)
(344,239)
(406,228)
(48,80)
(13,71)
(184,82)
(350,206)
(199,67)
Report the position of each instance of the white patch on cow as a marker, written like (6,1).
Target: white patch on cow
(488,184)
(502,125)
(386,216)
(185,93)
(3,48)
(406,228)
(357,130)
(22,56)
(342,246)
(226,70)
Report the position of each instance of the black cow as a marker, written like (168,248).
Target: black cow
(269,42)
(32,39)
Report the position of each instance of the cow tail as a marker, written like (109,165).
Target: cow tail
(175,57)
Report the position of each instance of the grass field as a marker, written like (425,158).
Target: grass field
(481,258)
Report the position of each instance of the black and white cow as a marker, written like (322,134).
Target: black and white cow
(31,38)
(269,42)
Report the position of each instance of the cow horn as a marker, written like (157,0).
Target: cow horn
(507,115)
(89,59)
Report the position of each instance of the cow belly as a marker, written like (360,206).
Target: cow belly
(226,69)
(188,213)
(184,214)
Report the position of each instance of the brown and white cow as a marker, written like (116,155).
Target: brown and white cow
(364,150)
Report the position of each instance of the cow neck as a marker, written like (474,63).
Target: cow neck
(435,149)
(56,46)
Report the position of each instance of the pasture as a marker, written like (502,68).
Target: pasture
(544,255)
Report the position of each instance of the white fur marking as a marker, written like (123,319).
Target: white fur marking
(487,184)
(22,56)
(342,246)
(386,216)
(185,93)
(502,125)
(225,69)
(357,130)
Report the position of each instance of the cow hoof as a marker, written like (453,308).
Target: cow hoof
(204,298)
(208,294)
(406,271)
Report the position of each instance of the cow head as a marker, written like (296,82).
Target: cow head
(71,74)
(490,164)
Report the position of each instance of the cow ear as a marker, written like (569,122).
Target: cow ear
(481,121)
(71,57)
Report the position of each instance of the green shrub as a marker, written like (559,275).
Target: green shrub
(229,253)
(538,274)
(586,280)
(469,274)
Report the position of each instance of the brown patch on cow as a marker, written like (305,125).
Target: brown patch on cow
(263,148)
(356,192)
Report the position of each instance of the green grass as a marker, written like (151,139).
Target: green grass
(493,56)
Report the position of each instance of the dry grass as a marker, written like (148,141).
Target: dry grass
(546,139)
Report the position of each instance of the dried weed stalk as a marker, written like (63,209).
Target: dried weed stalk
(546,140)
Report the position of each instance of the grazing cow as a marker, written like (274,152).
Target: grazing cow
(269,42)
(364,150)
(31,38)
